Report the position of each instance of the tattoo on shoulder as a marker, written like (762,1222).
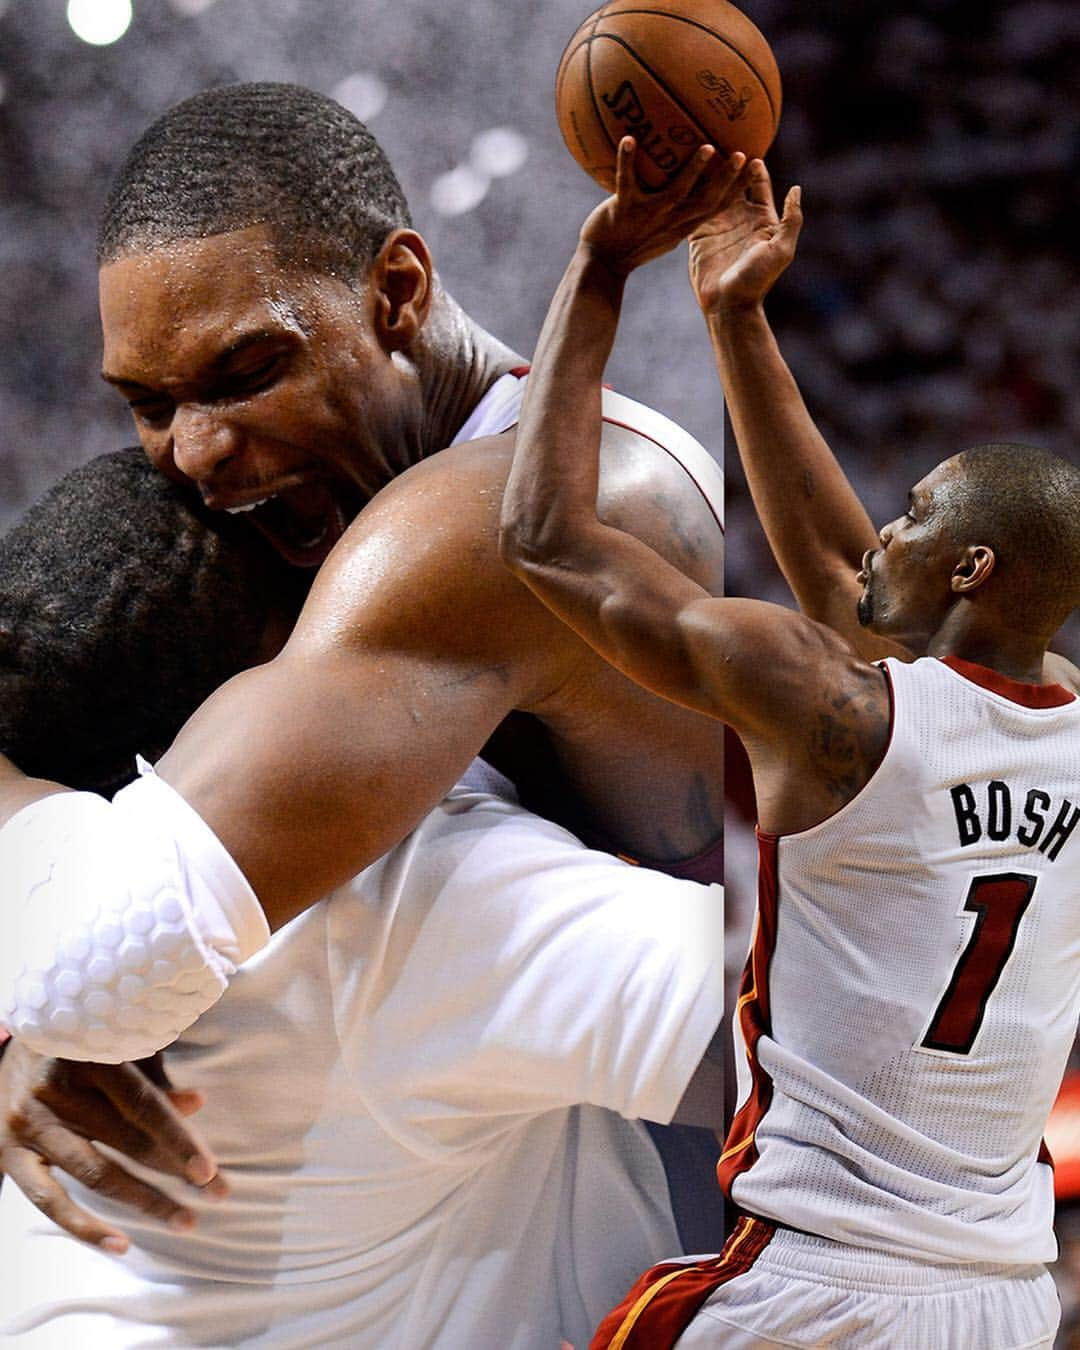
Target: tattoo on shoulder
(705,823)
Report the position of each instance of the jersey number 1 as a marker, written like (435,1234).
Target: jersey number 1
(998,903)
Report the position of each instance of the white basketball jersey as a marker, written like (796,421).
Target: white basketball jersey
(913,986)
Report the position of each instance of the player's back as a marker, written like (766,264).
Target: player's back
(915,981)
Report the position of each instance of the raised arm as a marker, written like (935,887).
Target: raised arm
(815,524)
(798,694)
(617,593)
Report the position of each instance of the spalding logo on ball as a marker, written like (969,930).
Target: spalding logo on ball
(671,73)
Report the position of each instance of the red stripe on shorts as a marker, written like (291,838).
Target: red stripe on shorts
(662,1304)
(754,1019)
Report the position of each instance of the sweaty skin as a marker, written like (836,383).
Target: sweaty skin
(414,645)
(250,379)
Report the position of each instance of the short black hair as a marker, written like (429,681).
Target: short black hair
(1024,503)
(123,605)
(251,154)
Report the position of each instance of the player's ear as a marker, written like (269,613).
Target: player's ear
(973,569)
(402,286)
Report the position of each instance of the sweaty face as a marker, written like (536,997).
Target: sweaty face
(906,581)
(263,385)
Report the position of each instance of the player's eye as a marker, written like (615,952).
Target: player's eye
(154,412)
(250,379)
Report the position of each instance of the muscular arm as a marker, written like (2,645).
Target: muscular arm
(615,591)
(411,649)
(414,646)
(816,526)
(771,674)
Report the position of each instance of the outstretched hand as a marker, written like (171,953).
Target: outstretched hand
(636,225)
(739,252)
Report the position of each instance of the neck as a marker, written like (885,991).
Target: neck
(458,363)
(1019,655)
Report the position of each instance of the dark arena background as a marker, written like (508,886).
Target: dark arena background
(934,303)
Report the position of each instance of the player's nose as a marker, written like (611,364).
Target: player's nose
(203,441)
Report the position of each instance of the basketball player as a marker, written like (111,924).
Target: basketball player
(912,989)
(394,1081)
(286,346)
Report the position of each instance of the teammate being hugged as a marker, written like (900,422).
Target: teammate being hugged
(912,989)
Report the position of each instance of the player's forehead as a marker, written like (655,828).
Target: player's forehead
(193,299)
(934,488)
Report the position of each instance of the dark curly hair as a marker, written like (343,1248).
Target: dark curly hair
(250,154)
(123,605)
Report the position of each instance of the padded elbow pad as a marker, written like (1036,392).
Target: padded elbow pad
(113,936)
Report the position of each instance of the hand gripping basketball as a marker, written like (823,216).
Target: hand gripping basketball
(674,74)
(638,224)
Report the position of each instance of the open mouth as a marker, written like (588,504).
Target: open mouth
(303,523)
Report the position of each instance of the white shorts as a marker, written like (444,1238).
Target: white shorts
(805,1292)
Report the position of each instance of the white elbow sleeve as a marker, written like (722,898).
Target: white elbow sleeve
(121,922)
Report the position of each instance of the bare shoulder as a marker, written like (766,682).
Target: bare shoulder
(418,571)
(773,662)
(442,515)
(665,489)
(419,575)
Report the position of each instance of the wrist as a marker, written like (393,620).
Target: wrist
(732,315)
(735,323)
(602,264)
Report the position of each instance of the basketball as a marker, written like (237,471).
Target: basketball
(673,74)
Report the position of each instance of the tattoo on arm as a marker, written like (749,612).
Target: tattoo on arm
(849,741)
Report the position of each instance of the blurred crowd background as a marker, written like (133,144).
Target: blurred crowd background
(935,301)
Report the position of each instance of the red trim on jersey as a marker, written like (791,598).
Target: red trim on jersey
(1027,695)
(519,371)
(753,1018)
(662,1304)
(628,426)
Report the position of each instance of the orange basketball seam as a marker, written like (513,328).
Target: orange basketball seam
(704,27)
(589,85)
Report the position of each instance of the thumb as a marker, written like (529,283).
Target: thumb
(792,219)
